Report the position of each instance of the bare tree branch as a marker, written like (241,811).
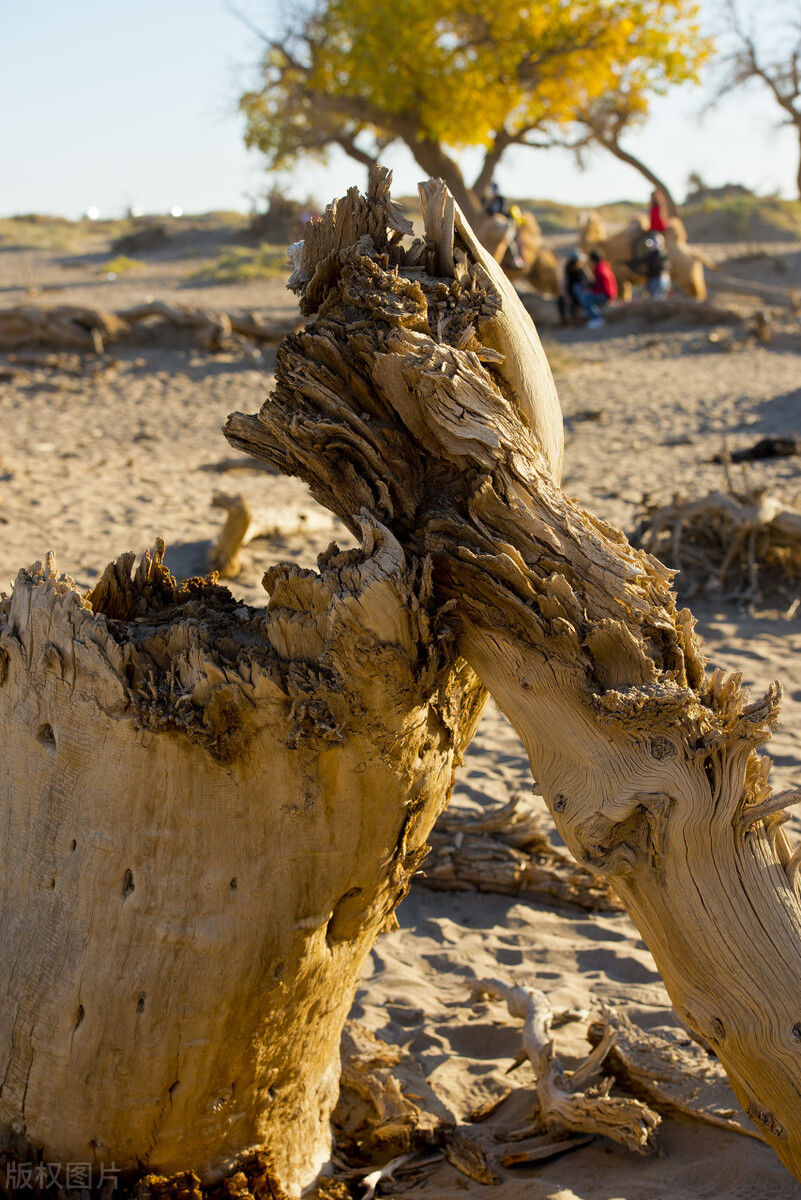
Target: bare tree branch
(746,60)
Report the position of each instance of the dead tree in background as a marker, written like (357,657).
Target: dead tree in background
(747,60)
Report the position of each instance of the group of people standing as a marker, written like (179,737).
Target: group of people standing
(589,288)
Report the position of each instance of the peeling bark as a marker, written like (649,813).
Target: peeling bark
(418,394)
(210,811)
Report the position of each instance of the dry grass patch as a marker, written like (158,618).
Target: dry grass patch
(239,264)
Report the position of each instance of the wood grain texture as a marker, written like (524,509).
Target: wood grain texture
(209,813)
(392,401)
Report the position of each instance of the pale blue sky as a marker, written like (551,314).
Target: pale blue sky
(111,103)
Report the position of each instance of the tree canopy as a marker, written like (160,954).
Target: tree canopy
(361,74)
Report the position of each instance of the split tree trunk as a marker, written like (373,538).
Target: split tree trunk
(395,400)
(209,813)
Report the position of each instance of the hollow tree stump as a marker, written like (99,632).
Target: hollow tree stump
(395,399)
(209,813)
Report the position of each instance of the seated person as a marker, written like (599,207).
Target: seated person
(578,293)
(604,282)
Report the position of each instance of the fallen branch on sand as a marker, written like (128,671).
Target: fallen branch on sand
(507,851)
(575,1103)
(676,1077)
(725,541)
(374,1109)
(653,312)
(87,329)
(772,446)
(243,524)
(378,1123)
(92,330)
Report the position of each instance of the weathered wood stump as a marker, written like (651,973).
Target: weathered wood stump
(209,813)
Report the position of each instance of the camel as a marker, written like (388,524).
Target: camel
(686,264)
(540,268)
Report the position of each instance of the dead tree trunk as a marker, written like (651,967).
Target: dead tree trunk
(209,813)
(415,394)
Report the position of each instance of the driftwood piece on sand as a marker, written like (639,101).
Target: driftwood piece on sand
(675,1077)
(377,1121)
(65,326)
(538,1149)
(576,1103)
(507,851)
(729,541)
(244,524)
(374,1104)
(653,312)
(647,311)
(92,329)
(389,401)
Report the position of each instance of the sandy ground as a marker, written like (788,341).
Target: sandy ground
(98,457)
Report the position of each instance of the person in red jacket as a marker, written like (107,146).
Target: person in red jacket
(604,282)
(659,213)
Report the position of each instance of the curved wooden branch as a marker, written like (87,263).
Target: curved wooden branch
(565,1103)
(395,399)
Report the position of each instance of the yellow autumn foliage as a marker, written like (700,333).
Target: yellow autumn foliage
(461,73)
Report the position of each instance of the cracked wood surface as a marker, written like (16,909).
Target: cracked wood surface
(210,811)
(400,398)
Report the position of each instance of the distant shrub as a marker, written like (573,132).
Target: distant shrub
(242,265)
(147,234)
(741,216)
(121,265)
(36,231)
